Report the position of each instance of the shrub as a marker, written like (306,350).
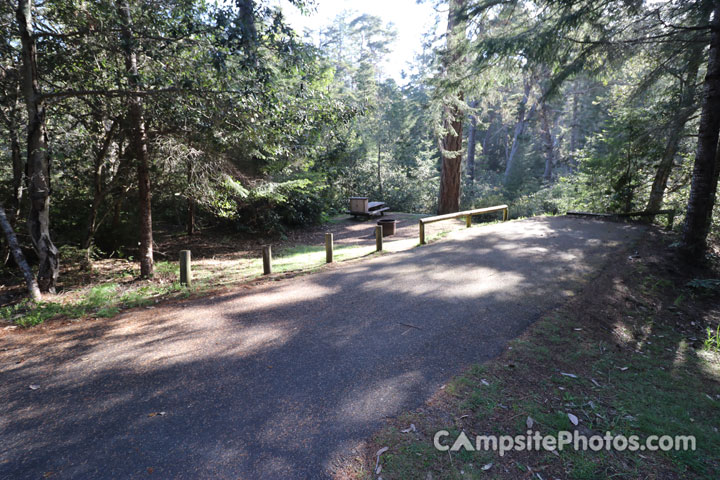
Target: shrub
(273,207)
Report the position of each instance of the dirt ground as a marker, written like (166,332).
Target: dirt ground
(220,248)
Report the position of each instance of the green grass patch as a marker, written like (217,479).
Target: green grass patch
(104,300)
(649,380)
(108,299)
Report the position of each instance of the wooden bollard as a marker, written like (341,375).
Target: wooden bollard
(505,214)
(421,226)
(328,247)
(378,238)
(468,221)
(185,268)
(267,259)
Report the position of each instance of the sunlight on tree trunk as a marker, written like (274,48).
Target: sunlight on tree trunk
(38,158)
(547,124)
(451,144)
(472,142)
(17,254)
(135,128)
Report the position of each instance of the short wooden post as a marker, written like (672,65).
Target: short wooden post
(378,238)
(505,214)
(468,221)
(671,219)
(328,247)
(422,232)
(185,268)
(267,259)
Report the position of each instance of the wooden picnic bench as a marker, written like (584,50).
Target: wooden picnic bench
(360,206)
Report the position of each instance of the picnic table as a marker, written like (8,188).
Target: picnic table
(361,206)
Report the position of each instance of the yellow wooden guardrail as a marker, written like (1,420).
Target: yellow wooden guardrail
(466,213)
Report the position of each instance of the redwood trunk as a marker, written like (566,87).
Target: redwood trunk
(38,158)
(451,144)
(137,140)
(707,160)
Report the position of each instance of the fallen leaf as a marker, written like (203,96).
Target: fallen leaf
(571,375)
(622,369)
(156,414)
(378,470)
(378,453)
(487,466)
(485,382)
(573,419)
(411,428)
(594,382)
(529,422)
(34,387)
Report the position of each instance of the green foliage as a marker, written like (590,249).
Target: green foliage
(704,285)
(712,342)
(272,207)
(103,300)
(261,130)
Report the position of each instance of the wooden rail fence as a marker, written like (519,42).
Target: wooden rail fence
(466,213)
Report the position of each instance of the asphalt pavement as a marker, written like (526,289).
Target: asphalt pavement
(284,379)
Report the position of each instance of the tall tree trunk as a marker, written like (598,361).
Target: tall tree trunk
(574,128)
(137,140)
(685,109)
(379,172)
(99,191)
(12,242)
(18,169)
(707,158)
(472,140)
(519,128)
(190,203)
(38,158)
(547,125)
(451,144)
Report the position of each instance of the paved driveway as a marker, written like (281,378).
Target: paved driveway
(280,380)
